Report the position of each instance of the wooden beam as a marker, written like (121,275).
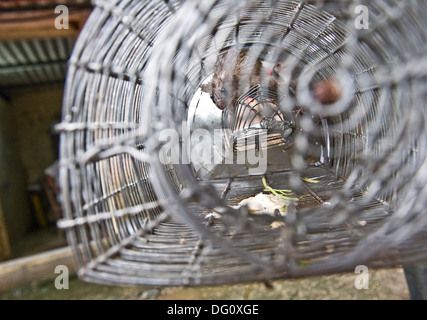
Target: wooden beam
(40,4)
(39,267)
(19,25)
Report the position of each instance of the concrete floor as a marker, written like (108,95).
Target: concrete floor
(385,284)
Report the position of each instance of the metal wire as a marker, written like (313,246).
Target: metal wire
(356,165)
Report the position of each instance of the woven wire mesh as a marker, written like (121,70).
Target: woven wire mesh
(257,111)
(356,167)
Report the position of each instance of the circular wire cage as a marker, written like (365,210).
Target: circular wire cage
(257,111)
(156,178)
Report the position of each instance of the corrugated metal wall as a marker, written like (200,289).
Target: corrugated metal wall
(34,61)
(32,50)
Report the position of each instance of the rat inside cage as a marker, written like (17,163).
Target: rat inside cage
(156,178)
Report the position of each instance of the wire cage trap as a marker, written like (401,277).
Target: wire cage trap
(256,112)
(155,186)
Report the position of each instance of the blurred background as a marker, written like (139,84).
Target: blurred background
(36,40)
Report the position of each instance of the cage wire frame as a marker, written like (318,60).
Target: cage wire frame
(133,219)
(258,110)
